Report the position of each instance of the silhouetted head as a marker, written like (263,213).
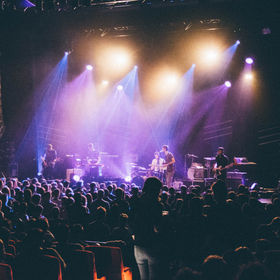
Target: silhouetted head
(214,268)
(100,194)
(152,186)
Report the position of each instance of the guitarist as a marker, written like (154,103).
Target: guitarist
(49,160)
(169,164)
(221,162)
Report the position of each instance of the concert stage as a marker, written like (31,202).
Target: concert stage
(133,81)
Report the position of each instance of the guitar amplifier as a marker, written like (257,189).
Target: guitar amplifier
(237,175)
(234,179)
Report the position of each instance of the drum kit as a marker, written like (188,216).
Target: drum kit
(197,171)
(143,172)
(74,163)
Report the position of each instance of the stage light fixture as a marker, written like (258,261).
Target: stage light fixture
(237,42)
(228,84)
(105,83)
(211,56)
(166,82)
(248,76)
(76,178)
(128,178)
(120,58)
(249,60)
(114,60)
(66,53)
(119,87)
(171,80)
(89,67)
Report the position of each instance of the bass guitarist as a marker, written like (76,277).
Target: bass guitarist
(222,162)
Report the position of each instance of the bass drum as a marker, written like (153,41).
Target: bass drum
(191,172)
(196,173)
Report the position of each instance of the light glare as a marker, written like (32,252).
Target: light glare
(128,178)
(76,178)
(228,84)
(210,56)
(248,76)
(105,83)
(89,67)
(249,60)
(119,87)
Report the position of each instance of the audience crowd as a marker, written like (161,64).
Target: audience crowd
(163,233)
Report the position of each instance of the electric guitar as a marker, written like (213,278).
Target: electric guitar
(46,164)
(218,170)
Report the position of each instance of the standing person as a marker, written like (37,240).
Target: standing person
(93,156)
(157,166)
(222,162)
(170,165)
(49,161)
(94,167)
(147,218)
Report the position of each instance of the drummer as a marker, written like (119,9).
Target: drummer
(157,165)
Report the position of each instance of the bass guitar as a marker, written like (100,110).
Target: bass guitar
(46,164)
(218,170)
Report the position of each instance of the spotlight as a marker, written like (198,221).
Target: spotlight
(128,178)
(135,66)
(171,80)
(89,67)
(119,87)
(193,66)
(66,53)
(120,58)
(248,76)
(76,178)
(165,82)
(210,56)
(114,60)
(105,83)
(228,84)
(249,60)
(237,42)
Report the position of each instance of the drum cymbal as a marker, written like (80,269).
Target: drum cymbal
(209,158)
(142,168)
(192,156)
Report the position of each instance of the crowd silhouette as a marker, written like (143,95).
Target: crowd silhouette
(48,228)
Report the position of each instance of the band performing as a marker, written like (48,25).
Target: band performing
(162,166)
